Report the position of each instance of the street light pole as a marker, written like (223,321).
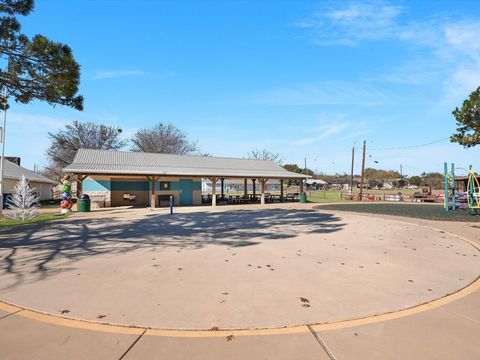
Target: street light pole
(351,174)
(3,99)
(363,168)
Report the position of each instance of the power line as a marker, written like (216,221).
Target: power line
(410,146)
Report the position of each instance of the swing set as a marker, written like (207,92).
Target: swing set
(470,198)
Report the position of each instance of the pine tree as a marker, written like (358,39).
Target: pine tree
(36,68)
(24,201)
(468,121)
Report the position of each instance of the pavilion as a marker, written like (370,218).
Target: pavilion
(118,178)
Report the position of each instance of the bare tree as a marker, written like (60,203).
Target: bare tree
(163,138)
(263,154)
(66,142)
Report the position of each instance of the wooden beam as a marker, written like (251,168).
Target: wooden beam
(245,187)
(281,190)
(80,178)
(153,200)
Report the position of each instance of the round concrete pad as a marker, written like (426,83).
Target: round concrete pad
(242,267)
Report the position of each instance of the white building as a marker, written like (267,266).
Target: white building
(237,186)
(12,174)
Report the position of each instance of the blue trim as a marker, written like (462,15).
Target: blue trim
(96,185)
(114,185)
(174,185)
(197,185)
(130,185)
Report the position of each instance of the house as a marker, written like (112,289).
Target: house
(12,174)
(315,184)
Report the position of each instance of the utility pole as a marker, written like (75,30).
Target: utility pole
(351,173)
(401,176)
(305,167)
(3,100)
(363,168)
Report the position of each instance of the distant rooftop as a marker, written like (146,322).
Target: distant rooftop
(109,162)
(15,172)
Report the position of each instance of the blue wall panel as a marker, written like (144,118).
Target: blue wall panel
(197,185)
(96,185)
(114,185)
(130,185)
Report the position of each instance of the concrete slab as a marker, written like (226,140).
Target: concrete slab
(3,314)
(278,347)
(434,335)
(23,338)
(468,306)
(229,268)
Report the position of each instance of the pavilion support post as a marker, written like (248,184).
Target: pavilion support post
(245,187)
(254,188)
(80,179)
(301,186)
(214,191)
(222,181)
(281,190)
(153,202)
(262,191)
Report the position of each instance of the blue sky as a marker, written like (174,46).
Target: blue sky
(304,79)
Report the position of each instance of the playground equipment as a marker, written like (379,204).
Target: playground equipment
(469,199)
(66,196)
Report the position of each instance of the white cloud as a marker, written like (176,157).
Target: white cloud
(338,127)
(323,93)
(324,131)
(118,74)
(463,38)
(27,136)
(352,22)
(450,48)
(30,121)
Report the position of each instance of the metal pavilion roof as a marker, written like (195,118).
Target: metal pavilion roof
(109,162)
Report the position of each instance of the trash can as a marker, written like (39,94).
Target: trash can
(303,198)
(84,203)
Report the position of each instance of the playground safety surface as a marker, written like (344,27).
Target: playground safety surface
(283,271)
(411,210)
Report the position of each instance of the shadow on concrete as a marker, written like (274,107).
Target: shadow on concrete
(48,248)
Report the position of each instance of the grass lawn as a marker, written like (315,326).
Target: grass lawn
(5,221)
(327,196)
(330,196)
(414,210)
